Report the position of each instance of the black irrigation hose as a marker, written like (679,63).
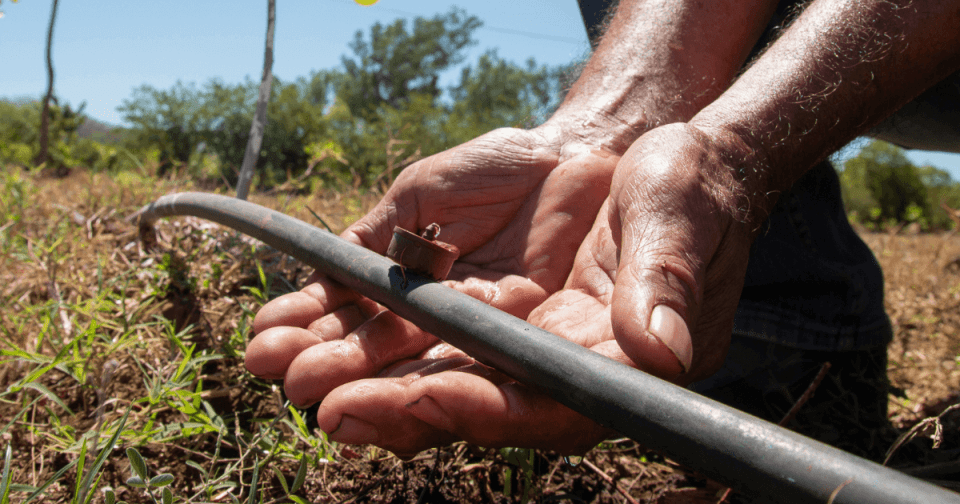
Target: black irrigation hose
(756,457)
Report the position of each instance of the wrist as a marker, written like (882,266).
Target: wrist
(576,130)
(744,164)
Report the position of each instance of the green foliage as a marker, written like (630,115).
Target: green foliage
(496,93)
(395,65)
(359,125)
(522,459)
(141,479)
(19,139)
(881,187)
(941,191)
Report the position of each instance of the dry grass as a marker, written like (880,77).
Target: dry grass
(94,328)
(922,274)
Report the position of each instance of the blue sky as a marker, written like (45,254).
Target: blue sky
(104,49)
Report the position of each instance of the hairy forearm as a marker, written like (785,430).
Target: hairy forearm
(842,67)
(659,62)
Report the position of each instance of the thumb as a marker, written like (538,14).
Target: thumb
(657,293)
(682,254)
(651,316)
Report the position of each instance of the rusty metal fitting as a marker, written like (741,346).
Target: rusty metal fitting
(423,254)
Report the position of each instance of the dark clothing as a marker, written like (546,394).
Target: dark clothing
(811,282)
(930,122)
(848,409)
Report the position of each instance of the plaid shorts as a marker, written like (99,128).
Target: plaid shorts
(813,293)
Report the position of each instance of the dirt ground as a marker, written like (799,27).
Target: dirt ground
(209,293)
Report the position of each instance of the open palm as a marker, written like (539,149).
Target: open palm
(517,210)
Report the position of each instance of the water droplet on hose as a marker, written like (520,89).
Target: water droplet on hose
(572,460)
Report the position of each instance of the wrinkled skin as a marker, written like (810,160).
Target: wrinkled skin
(648,273)
(516,204)
(384,381)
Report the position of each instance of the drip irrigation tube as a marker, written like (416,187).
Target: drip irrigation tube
(756,457)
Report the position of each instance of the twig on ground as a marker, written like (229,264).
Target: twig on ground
(609,481)
(922,425)
(836,491)
(433,472)
(807,394)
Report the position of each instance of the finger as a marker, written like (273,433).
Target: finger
(345,320)
(415,368)
(270,353)
(509,414)
(301,308)
(373,412)
(669,227)
(375,345)
(437,358)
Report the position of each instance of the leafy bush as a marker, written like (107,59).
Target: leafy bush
(881,188)
(382,111)
(19,139)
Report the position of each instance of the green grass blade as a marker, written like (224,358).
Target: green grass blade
(81,461)
(301,475)
(320,219)
(5,478)
(16,487)
(282,479)
(104,453)
(90,494)
(39,387)
(50,481)
(253,482)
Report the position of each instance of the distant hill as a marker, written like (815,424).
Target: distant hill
(91,128)
(100,131)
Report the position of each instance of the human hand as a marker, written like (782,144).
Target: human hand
(516,203)
(687,253)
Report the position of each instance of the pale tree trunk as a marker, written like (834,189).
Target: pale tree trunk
(260,116)
(45,113)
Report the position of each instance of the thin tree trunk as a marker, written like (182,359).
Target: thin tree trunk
(260,116)
(45,114)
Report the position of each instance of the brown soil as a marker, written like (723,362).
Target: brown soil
(206,291)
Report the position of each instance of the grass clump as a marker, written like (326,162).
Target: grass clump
(106,345)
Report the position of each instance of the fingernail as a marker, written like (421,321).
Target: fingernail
(668,326)
(352,430)
(429,411)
